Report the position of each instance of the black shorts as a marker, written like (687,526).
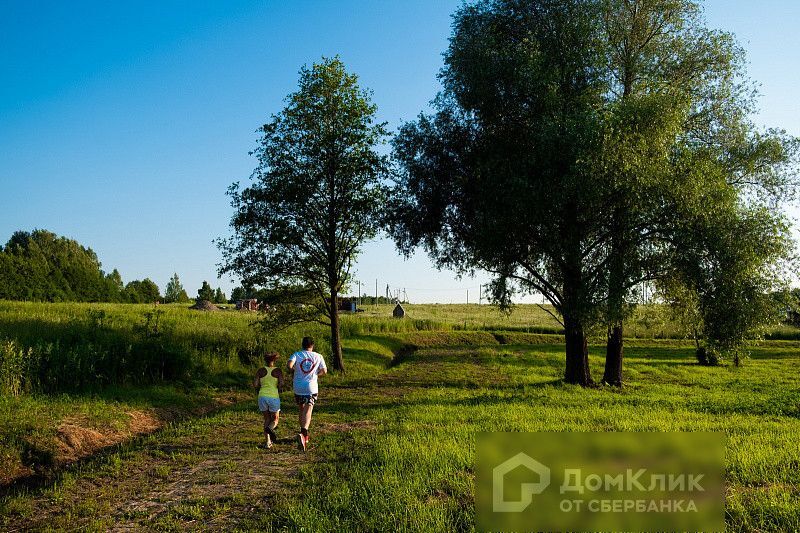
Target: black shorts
(302,399)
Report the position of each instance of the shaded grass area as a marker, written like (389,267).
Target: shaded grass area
(40,433)
(190,475)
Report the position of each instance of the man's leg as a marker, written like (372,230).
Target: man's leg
(305,417)
(304,413)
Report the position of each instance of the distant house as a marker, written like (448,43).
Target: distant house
(348,304)
(344,304)
(398,311)
(250,304)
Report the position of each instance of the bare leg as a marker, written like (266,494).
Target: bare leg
(267,429)
(304,411)
(305,417)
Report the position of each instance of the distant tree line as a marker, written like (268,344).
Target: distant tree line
(41,266)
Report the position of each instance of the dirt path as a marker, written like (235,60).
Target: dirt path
(207,473)
(210,473)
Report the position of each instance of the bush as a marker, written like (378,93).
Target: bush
(707,356)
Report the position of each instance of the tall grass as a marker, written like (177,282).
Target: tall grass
(78,347)
(54,347)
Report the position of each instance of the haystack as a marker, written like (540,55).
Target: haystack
(204,305)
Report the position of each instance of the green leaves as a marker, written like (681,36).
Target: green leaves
(317,193)
(41,266)
(582,147)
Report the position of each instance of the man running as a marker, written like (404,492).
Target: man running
(269,382)
(306,365)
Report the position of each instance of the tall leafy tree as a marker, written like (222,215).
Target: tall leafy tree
(498,178)
(575,146)
(315,198)
(174,292)
(678,103)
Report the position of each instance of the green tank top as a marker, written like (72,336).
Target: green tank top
(269,384)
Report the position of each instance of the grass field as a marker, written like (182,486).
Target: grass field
(393,439)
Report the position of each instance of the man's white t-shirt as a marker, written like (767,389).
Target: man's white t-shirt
(306,367)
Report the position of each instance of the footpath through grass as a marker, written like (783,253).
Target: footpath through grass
(393,442)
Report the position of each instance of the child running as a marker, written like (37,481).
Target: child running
(269,383)
(306,365)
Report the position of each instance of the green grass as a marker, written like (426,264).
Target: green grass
(394,436)
(414,471)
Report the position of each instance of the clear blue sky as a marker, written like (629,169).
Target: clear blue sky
(122,124)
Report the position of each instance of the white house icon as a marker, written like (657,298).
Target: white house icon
(499,503)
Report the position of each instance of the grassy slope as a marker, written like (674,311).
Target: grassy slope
(413,467)
(393,443)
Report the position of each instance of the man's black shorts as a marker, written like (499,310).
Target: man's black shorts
(301,399)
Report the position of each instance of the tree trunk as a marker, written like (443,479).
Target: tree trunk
(614,352)
(336,341)
(616,299)
(577,372)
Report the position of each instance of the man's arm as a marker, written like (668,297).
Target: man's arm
(323,368)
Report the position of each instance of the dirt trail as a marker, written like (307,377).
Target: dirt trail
(208,473)
(211,473)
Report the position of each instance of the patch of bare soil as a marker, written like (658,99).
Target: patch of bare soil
(237,472)
(77,439)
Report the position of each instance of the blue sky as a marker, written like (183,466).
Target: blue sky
(122,124)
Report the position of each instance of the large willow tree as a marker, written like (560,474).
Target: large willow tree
(683,164)
(314,199)
(498,179)
(577,146)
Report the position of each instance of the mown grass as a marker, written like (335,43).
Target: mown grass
(410,467)
(414,471)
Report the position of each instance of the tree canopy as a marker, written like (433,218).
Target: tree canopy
(575,148)
(174,292)
(315,198)
(41,266)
